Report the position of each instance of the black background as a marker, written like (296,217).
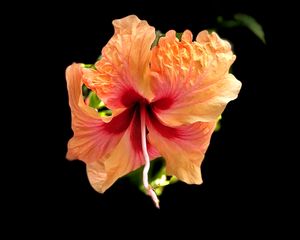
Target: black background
(240,180)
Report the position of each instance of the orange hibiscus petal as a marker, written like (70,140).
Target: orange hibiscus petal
(126,157)
(122,73)
(190,79)
(102,174)
(93,138)
(182,147)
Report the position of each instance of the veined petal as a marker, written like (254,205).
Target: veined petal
(190,81)
(182,147)
(93,138)
(122,74)
(126,157)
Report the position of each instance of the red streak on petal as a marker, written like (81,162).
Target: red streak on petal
(163,103)
(120,123)
(165,131)
(135,133)
(131,97)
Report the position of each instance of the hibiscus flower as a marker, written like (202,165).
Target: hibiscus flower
(165,101)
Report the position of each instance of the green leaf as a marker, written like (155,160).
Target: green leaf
(179,35)
(105,113)
(157,177)
(158,34)
(85,91)
(211,30)
(160,181)
(94,101)
(244,20)
(252,24)
(227,23)
(136,177)
(89,66)
(218,125)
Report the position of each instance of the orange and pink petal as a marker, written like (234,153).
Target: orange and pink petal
(191,80)
(182,147)
(122,73)
(123,159)
(111,149)
(93,138)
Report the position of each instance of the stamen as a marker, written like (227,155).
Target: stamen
(147,186)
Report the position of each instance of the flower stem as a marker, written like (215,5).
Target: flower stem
(147,186)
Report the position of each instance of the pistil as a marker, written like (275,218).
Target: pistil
(147,186)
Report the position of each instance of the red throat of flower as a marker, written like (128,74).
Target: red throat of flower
(147,186)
